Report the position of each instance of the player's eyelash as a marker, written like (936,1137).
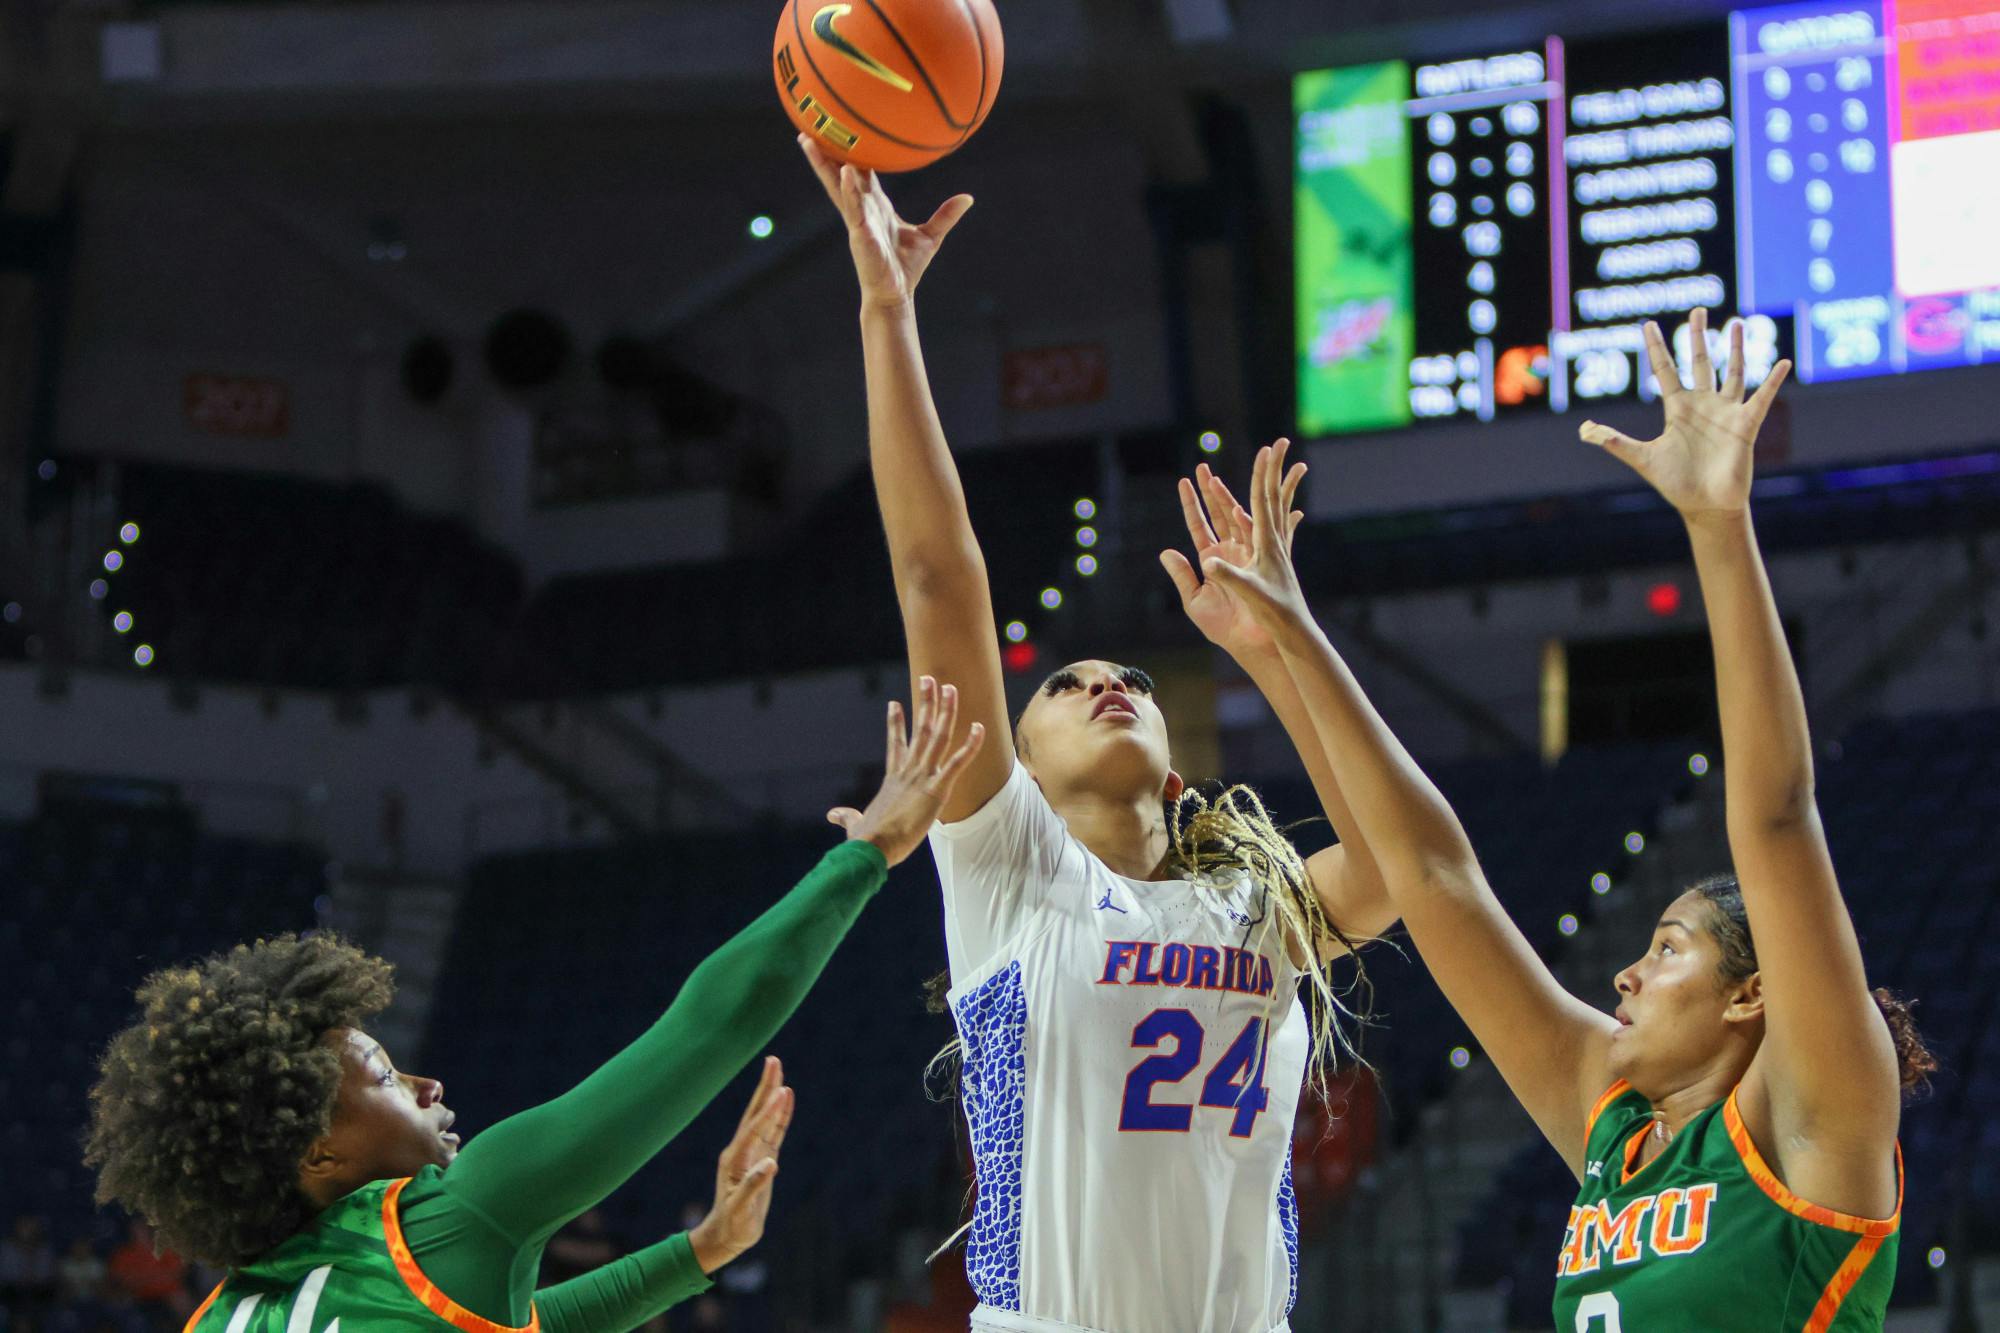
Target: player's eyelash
(1060,681)
(1135,679)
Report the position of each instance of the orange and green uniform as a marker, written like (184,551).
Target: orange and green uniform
(1705,1236)
(459,1247)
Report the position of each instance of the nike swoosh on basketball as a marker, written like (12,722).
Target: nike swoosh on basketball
(822,26)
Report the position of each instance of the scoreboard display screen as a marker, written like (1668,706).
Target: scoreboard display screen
(1486,235)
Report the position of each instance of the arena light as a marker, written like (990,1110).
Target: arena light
(11,613)
(1635,842)
(1663,599)
(1937,1257)
(1086,565)
(114,560)
(1210,442)
(122,622)
(1019,657)
(1600,884)
(1459,1057)
(46,469)
(1085,508)
(143,654)
(761,226)
(1016,632)
(1567,923)
(99,589)
(1698,765)
(129,533)
(1086,537)
(1051,598)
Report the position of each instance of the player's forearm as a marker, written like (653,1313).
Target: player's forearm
(916,479)
(1273,679)
(1410,829)
(1764,734)
(533,1171)
(625,1293)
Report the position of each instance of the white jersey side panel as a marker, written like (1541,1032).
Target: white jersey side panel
(1133,1058)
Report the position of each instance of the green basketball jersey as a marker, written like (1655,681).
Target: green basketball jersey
(1706,1239)
(350,1267)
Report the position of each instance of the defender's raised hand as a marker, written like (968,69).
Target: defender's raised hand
(1701,463)
(917,777)
(1219,528)
(744,1173)
(890,255)
(1255,565)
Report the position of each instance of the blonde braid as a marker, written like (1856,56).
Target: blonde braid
(1207,840)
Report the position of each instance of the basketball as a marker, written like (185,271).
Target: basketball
(891,85)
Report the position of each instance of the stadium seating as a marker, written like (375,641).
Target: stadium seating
(284,581)
(98,897)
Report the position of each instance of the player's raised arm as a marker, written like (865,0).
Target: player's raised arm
(1345,877)
(534,1171)
(1826,1073)
(1549,1046)
(940,574)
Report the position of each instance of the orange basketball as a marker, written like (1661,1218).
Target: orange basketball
(891,85)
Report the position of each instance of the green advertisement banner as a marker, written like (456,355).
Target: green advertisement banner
(1353,269)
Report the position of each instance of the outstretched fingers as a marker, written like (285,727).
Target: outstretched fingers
(1232,518)
(948,215)
(898,736)
(937,734)
(1182,573)
(1200,531)
(948,773)
(1269,479)
(1767,393)
(826,169)
(1662,361)
(1698,358)
(1732,379)
(768,1083)
(1614,442)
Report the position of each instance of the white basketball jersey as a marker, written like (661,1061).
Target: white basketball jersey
(1131,1072)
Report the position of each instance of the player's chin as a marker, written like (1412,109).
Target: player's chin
(1623,1057)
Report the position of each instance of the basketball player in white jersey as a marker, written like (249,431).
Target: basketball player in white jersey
(1125,964)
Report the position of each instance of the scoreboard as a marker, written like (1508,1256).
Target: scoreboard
(1486,235)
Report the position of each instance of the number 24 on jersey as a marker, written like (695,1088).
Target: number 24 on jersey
(1235,1082)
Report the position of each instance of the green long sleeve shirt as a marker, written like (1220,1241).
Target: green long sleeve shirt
(478,1228)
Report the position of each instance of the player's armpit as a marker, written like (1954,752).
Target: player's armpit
(1351,893)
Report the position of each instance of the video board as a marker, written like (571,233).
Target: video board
(1829,172)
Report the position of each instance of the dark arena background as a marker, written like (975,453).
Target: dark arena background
(434,507)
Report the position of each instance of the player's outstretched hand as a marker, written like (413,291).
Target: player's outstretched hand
(1220,528)
(917,776)
(744,1173)
(1255,566)
(890,255)
(1701,463)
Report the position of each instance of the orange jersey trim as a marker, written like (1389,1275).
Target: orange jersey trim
(1611,1094)
(1875,1229)
(202,1309)
(1844,1278)
(439,1304)
(1633,1147)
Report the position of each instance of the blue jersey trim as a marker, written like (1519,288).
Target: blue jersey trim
(1288,1222)
(993,1025)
